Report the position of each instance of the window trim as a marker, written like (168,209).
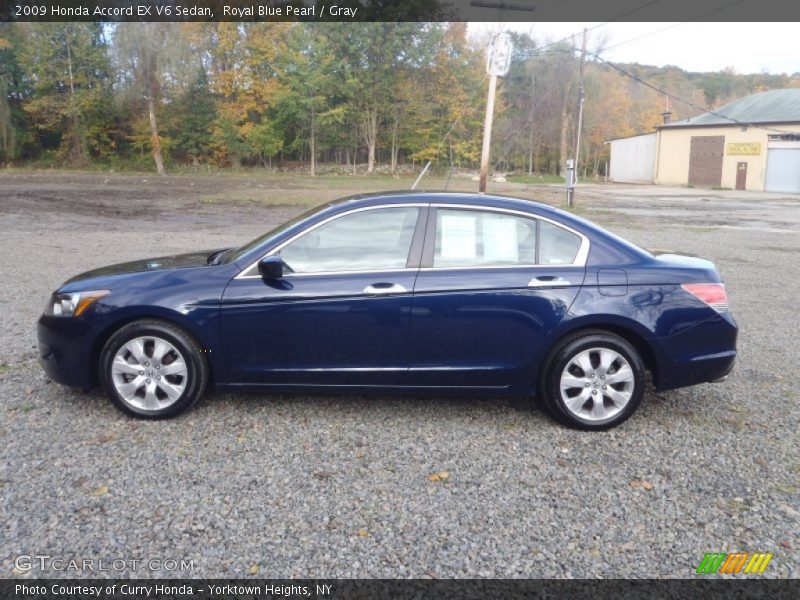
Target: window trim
(430,240)
(429,210)
(245,273)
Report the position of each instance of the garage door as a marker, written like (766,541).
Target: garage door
(783,170)
(705,160)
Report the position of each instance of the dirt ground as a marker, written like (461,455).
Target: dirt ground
(290,486)
(219,200)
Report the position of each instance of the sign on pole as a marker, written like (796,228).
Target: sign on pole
(498,59)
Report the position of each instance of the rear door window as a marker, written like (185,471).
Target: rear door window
(473,238)
(557,246)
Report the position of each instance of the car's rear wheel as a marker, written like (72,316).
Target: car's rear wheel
(594,381)
(152,370)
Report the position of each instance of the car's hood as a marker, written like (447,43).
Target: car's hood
(194,259)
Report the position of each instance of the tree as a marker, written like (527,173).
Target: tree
(444,117)
(371,56)
(67,72)
(306,72)
(146,54)
(8,66)
(192,120)
(265,141)
(244,76)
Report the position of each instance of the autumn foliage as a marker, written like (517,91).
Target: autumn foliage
(370,96)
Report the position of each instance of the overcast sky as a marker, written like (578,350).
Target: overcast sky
(747,47)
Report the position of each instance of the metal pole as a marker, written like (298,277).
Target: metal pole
(449,175)
(580,111)
(578,138)
(413,187)
(487,134)
(570,180)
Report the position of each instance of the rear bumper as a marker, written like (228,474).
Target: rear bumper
(65,351)
(725,373)
(703,354)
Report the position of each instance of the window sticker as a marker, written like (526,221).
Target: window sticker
(458,236)
(500,242)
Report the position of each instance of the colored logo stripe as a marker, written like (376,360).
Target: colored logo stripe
(758,562)
(711,562)
(733,563)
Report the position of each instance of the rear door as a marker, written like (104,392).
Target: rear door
(492,286)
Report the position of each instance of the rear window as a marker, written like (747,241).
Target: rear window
(557,246)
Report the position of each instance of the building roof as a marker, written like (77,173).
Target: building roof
(627,137)
(775,106)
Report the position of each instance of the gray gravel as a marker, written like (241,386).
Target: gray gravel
(300,486)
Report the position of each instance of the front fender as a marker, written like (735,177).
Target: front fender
(202,323)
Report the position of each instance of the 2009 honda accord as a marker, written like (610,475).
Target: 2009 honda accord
(412,292)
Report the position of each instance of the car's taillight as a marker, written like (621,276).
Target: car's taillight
(712,294)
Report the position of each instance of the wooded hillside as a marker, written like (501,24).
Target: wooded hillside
(382,95)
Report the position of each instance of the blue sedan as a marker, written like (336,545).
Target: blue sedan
(404,292)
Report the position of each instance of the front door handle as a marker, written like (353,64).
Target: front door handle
(548,281)
(378,289)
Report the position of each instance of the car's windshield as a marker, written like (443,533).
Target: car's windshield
(240,252)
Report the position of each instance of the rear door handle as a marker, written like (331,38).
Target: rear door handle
(379,289)
(548,281)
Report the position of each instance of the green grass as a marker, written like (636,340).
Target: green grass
(534,179)
(302,189)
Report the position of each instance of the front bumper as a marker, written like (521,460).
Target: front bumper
(65,350)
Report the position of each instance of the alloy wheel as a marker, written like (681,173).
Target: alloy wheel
(597,384)
(149,373)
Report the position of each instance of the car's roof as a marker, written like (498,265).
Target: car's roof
(411,197)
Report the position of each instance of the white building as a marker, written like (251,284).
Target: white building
(633,158)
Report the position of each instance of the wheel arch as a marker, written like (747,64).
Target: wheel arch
(630,331)
(171,318)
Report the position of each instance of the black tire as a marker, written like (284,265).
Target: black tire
(572,347)
(197,372)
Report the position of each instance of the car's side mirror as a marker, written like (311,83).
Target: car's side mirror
(271,267)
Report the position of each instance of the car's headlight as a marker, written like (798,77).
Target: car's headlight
(72,304)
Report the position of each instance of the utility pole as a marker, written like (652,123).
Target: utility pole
(530,134)
(497,64)
(487,134)
(580,123)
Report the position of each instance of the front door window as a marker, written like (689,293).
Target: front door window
(369,240)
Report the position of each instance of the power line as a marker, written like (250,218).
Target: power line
(684,101)
(617,18)
(697,18)
(646,35)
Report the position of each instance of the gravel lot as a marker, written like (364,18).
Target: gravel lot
(297,486)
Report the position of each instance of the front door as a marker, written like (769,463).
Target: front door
(340,314)
(492,287)
(741,176)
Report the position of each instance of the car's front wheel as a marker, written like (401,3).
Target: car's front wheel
(152,370)
(594,381)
